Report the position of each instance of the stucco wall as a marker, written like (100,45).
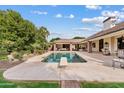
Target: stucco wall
(108,40)
(96,48)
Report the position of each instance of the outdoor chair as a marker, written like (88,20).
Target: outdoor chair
(119,58)
(105,51)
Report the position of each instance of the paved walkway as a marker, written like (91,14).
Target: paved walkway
(93,70)
(105,60)
(70,84)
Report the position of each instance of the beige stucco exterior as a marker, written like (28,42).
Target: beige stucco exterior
(96,48)
(111,39)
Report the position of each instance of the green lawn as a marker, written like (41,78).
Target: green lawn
(23,84)
(101,85)
(3,58)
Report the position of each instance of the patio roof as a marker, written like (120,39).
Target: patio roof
(73,41)
(116,28)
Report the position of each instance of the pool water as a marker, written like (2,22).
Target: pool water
(71,58)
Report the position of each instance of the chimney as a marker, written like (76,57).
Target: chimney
(109,22)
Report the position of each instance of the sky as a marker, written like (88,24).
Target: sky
(68,21)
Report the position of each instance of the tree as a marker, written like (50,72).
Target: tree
(17,34)
(53,39)
(41,38)
(77,37)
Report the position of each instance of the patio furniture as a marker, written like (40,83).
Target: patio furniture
(62,49)
(105,51)
(63,62)
(80,49)
(119,59)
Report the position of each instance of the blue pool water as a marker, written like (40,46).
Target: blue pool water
(71,58)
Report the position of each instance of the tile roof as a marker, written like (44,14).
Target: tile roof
(69,41)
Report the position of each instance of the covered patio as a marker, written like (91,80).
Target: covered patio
(111,39)
(67,44)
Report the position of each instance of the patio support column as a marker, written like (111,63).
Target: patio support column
(70,47)
(54,47)
(89,47)
(112,45)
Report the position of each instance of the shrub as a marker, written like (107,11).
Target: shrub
(37,51)
(3,52)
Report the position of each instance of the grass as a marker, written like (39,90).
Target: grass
(102,85)
(3,58)
(26,84)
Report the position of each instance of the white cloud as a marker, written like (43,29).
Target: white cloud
(99,25)
(58,16)
(39,12)
(93,7)
(119,15)
(96,20)
(71,16)
(104,14)
(54,33)
(82,29)
(108,13)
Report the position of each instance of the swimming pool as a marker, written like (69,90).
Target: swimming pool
(71,58)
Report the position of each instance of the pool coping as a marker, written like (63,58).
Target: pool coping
(42,59)
(39,58)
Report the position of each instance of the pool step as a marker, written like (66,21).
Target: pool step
(70,84)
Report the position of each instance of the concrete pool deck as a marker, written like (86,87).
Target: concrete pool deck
(92,70)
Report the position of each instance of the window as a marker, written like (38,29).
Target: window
(120,42)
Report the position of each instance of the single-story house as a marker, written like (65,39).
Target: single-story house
(111,37)
(67,44)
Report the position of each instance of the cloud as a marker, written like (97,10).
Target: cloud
(58,16)
(99,25)
(104,14)
(71,16)
(118,14)
(39,12)
(96,20)
(54,33)
(108,13)
(82,29)
(93,7)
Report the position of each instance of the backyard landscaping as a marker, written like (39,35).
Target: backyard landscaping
(46,84)
(22,42)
